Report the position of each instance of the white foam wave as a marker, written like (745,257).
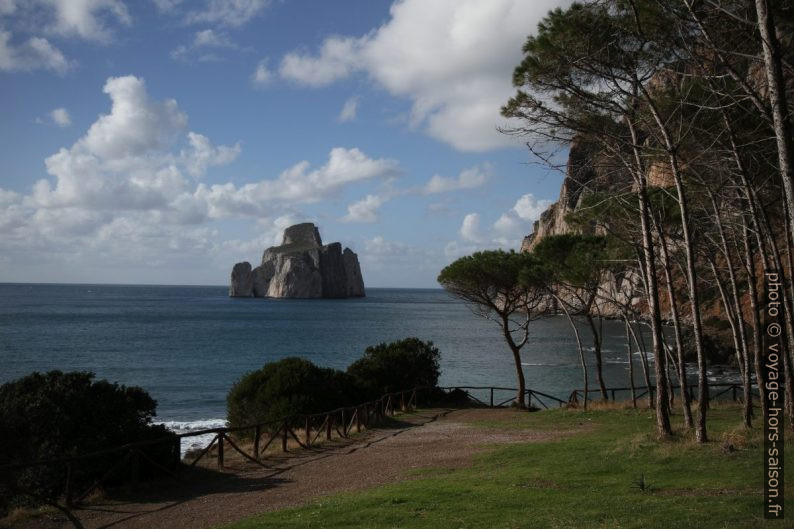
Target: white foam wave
(198,441)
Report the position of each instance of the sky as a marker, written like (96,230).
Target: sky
(162,141)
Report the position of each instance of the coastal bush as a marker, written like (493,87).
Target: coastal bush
(396,366)
(55,414)
(291,386)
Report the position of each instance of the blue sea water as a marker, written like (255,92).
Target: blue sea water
(186,345)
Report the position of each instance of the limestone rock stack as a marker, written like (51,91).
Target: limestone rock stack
(301,267)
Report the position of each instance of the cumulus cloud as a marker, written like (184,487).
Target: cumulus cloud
(529,208)
(36,53)
(349,110)
(365,210)
(470,228)
(122,195)
(506,232)
(203,154)
(467,179)
(445,56)
(60,116)
(338,58)
(297,185)
(262,75)
(86,18)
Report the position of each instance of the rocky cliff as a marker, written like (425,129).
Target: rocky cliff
(301,267)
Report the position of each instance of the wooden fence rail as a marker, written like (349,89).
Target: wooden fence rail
(316,428)
(715,391)
(132,455)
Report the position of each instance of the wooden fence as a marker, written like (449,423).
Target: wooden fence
(715,391)
(496,401)
(316,427)
(306,431)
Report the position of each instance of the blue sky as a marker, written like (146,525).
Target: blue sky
(161,141)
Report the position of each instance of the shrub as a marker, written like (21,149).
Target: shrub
(55,414)
(292,386)
(396,366)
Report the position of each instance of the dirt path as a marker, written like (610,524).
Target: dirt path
(430,438)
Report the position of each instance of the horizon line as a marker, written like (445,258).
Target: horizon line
(58,283)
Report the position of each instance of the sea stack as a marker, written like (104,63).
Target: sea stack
(301,267)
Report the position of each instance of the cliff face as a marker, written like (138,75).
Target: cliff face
(583,174)
(301,267)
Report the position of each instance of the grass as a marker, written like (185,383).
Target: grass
(614,475)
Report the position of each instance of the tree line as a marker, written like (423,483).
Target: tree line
(682,109)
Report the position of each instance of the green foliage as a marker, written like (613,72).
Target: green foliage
(577,260)
(489,279)
(295,386)
(396,366)
(287,387)
(55,414)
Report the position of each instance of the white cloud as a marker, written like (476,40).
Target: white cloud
(36,53)
(349,110)
(470,228)
(262,76)
(203,154)
(203,47)
(446,56)
(507,224)
(467,179)
(365,210)
(225,12)
(86,18)
(124,160)
(119,199)
(213,39)
(338,58)
(529,208)
(296,185)
(60,116)
(506,232)
(134,125)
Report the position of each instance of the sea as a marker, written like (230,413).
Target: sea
(187,345)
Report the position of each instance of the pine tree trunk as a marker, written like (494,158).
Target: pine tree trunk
(662,417)
(679,346)
(521,402)
(582,359)
(776,88)
(597,353)
(752,293)
(631,363)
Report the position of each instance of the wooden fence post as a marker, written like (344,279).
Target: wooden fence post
(328,420)
(257,435)
(284,438)
(344,424)
(135,464)
(69,487)
(491,397)
(402,401)
(220,449)
(308,431)
(177,448)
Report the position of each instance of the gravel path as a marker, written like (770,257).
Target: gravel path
(429,438)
